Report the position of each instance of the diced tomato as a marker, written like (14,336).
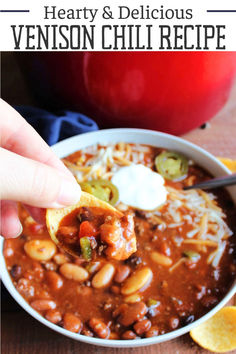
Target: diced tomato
(87,229)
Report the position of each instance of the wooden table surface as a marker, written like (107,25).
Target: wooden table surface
(24,335)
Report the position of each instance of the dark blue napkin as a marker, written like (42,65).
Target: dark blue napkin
(54,127)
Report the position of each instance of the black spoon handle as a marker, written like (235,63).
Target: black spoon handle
(214,183)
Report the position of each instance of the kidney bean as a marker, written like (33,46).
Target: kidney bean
(174,322)
(72,323)
(142,326)
(86,332)
(152,332)
(99,327)
(54,280)
(53,316)
(209,301)
(122,273)
(120,309)
(131,313)
(16,271)
(129,335)
(25,287)
(113,336)
(43,305)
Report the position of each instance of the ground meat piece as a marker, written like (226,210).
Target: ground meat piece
(119,236)
(85,214)
(67,234)
(25,288)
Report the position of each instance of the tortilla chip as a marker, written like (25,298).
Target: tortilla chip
(218,334)
(231,164)
(54,216)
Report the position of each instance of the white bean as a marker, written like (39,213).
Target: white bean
(161,259)
(60,258)
(41,250)
(74,272)
(104,276)
(138,280)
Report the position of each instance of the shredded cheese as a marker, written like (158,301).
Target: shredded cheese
(195,209)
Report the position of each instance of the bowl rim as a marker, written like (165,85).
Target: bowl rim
(108,133)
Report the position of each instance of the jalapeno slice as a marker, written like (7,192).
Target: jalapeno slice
(102,189)
(172,165)
(86,249)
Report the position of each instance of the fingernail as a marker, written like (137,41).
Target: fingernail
(19,232)
(69,194)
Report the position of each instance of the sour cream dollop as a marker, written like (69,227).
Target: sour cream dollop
(140,187)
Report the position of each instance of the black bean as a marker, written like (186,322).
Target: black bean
(140,214)
(134,260)
(16,271)
(154,227)
(187,320)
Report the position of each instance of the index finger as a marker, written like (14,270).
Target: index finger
(18,136)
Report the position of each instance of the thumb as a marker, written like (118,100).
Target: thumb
(34,183)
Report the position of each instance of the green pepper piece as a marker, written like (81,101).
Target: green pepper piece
(153,303)
(172,165)
(102,189)
(86,249)
(194,256)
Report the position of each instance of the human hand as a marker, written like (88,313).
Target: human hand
(29,173)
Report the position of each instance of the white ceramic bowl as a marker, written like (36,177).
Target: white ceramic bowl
(68,146)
